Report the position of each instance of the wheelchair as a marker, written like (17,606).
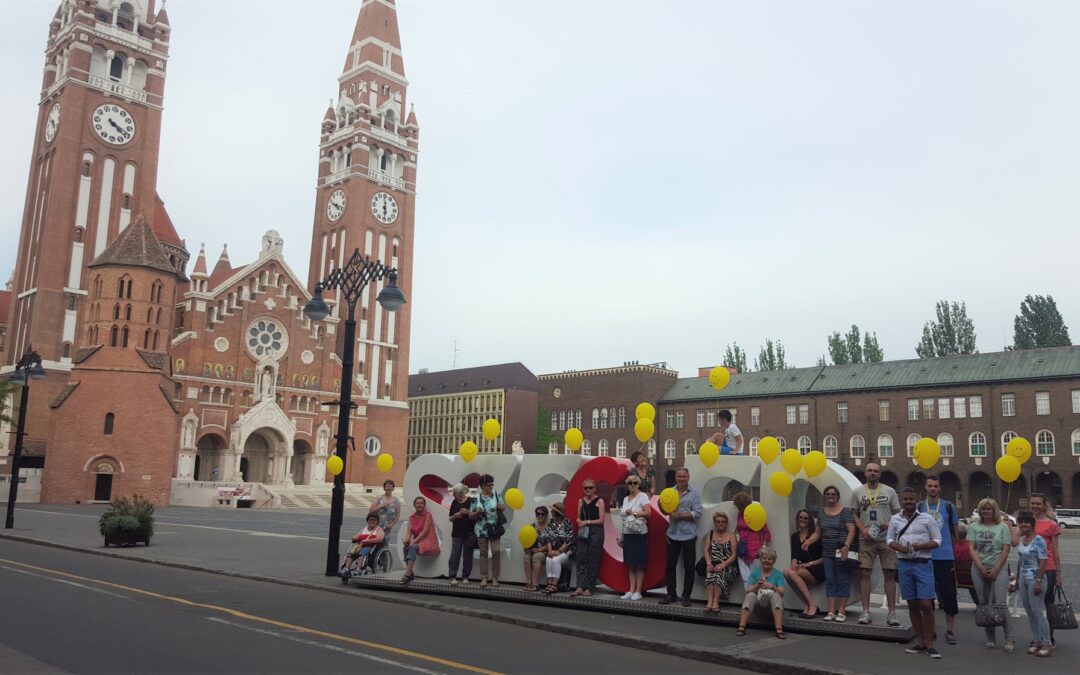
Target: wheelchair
(378,561)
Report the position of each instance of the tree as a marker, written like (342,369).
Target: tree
(854,347)
(771,357)
(735,358)
(951,333)
(7,390)
(1039,324)
(544,437)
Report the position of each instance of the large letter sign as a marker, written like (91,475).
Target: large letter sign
(547,479)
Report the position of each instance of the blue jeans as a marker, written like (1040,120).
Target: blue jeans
(837,579)
(1035,607)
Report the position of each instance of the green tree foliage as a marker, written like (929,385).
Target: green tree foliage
(771,357)
(1039,324)
(7,391)
(735,357)
(544,435)
(950,333)
(854,347)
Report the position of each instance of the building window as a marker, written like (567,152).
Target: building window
(782,442)
(1008,405)
(943,411)
(804,414)
(690,448)
(1076,401)
(945,441)
(603,418)
(928,405)
(700,419)
(622,417)
(124,335)
(791,414)
(841,412)
(753,446)
(858,447)
(679,420)
(553,448)
(831,447)
(755,416)
(976,406)
(1044,444)
(884,446)
(1076,442)
(669,420)
(586,448)
(620,447)
(372,446)
(669,449)
(116,68)
(883,411)
(912,439)
(562,420)
(595,418)
(1005,438)
(651,448)
(554,422)
(913,409)
(710,418)
(804,444)
(959,407)
(110,421)
(1042,403)
(977,444)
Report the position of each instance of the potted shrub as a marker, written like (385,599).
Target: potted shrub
(127,522)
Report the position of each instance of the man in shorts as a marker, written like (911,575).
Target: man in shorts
(948,520)
(874,504)
(913,535)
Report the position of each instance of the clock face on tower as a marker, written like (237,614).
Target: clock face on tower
(384,208)
(52,123)
(335,206)
(113,124)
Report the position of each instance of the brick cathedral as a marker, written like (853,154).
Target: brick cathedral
(159,378)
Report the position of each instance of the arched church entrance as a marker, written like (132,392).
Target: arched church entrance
(301,462)
(103,468)
(210,458)
(264,457)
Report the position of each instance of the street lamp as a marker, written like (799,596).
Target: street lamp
(351,280)
(28,368)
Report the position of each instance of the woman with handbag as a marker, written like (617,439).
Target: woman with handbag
(719,562)
(560,543)
(636,510)
(590,535)
(836,532)
(1032,578)
(461,535)
(420,539)
(807,568)
(1046,526)
(490,521)
(990,540)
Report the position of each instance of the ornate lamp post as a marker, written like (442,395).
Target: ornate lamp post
(28,368)
(351,280)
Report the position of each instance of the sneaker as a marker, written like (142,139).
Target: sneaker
(990,645)
(626,596)
(453,582)
(829,617)
(891,621)
(864,618)
(917,649)
(841,618)
(1010,647)
(667,600)
(933,653)
(635,596)
(950,638)
(464,582)
(686,602)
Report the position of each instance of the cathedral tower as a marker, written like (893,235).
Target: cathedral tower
(365,196)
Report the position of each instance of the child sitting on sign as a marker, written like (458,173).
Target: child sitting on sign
(364,543)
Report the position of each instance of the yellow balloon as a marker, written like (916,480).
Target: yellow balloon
(1020,448)
(669,500)
(780,483)
(719,377)
(385,462)
(515,498)
(468,451)
(491,429)
(645,411)
(768,449)
(709,453)
(1008,468)
(527,536)
(644,429)
(755,516)
(334,464)
(926,452)
(574,438)
(791,460)
(814,463)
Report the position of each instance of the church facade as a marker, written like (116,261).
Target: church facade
(213,374)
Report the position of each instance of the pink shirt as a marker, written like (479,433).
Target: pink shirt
(1047,528)
(754,540)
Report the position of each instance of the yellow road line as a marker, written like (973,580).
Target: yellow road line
(273,622)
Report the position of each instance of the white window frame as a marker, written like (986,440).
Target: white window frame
(929,407)
(912,439)
(620,447)
(689,447)
(586,447)
(791,413)
(755,416)
(602,448)
(883,410)
(553,448)
(372,446)
(975,440)
(1076,401)
(885,448)
(831,447)
(804,413)
(804,444)
(782,442)
(1042,403)
(841,412)
(754,446)
(857,447)
(651,448)
(1044,443)
(710,418)
(1075,438)
(959,407)
(1007,436)
(944,408)
(700,419)
(975,407)
(912,409)
(947,444)
(1008,405)
(669,449)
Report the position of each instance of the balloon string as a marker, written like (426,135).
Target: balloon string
(1008,496)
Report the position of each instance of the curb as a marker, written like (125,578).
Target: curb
(678,649)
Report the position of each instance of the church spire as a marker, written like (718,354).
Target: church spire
(375,38)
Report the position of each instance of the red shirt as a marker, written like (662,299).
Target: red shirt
(1048,529)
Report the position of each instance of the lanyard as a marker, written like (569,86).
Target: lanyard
(873,500)
(936,511)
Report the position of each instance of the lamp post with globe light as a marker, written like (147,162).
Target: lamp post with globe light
(28,368)
(351,280)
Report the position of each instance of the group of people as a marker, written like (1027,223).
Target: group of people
(914,542)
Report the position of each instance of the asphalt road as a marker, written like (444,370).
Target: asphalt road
(71,612)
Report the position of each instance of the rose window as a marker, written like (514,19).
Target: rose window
(266,337)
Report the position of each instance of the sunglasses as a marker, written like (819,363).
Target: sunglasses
(632,482)
(588,487)
(541,514)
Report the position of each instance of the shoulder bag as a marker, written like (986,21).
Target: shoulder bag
(989,616)
(583,531)
(635,525)
(429,545)
(1060,614)
(499,528)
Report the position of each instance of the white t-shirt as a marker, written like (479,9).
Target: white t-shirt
(730,436)
(637,504)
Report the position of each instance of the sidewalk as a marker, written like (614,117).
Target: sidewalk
(298,559)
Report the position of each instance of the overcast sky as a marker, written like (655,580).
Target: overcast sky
(643,180)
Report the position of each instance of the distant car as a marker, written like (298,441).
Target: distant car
(1067,518)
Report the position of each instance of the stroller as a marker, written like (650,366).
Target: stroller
(378,560)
